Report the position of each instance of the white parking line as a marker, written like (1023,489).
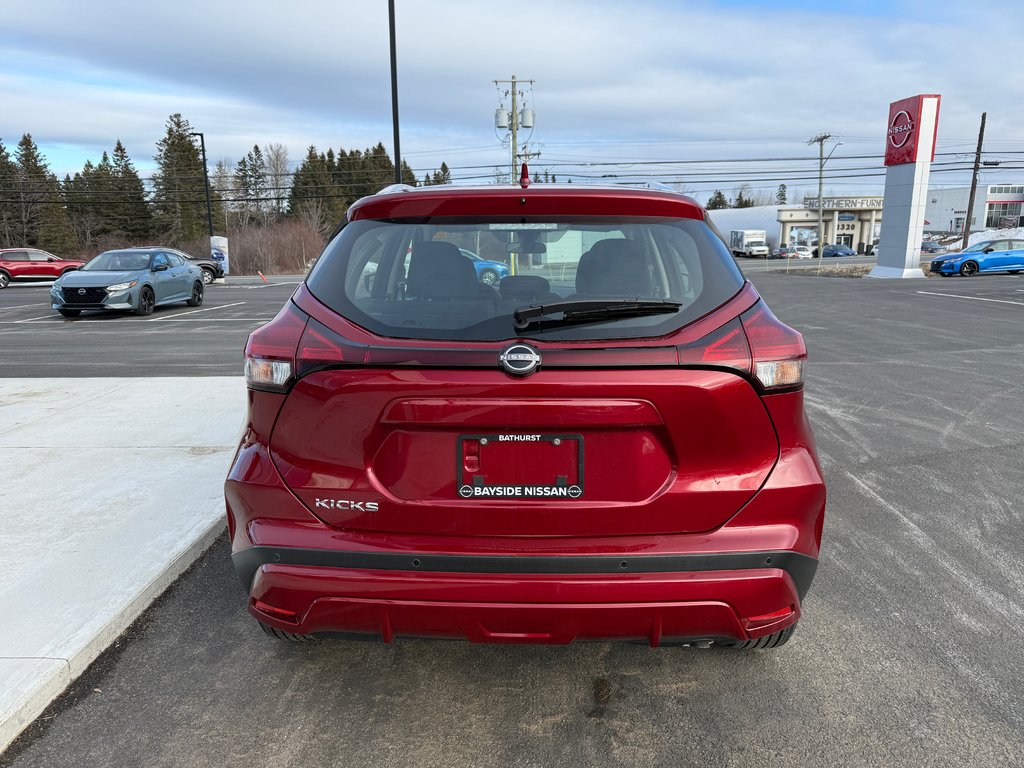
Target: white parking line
(192,312)
(30,319)
(22,306)
(271,285)
(972,298)
(219,319)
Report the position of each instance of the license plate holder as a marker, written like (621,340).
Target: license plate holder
(526,466)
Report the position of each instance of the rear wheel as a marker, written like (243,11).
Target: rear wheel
(489,277)
(208,276)
(773,640)
(5,279)
(146,302)
(1014,271)
(278,634)
(197,294)
(70,312)
(969,268)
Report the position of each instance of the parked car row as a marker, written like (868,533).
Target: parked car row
(791,252)
(133,279)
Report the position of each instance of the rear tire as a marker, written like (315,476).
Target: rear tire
(489,277)
(146,302)
(773,640)
(70,312)
(278,634)
(208,276)
(5,280)
(197,294)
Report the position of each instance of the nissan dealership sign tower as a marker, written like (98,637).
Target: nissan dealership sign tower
(909,151)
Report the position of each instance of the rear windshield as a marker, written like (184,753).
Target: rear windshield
(463,279)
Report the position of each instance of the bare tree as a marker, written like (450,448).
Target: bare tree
(276,158)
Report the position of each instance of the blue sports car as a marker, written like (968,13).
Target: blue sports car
(988,256)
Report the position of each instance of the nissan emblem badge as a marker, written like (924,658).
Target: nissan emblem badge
(520,359)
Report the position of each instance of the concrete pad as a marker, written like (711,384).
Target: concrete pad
(112,488)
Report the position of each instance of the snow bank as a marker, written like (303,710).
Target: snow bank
(1017,233)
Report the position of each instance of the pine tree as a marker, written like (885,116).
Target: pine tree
(309,197)
(8,191)
(179,194)
(132,216)
(408,177)
(251,185)
(31,186)
(717,201)
(780,195)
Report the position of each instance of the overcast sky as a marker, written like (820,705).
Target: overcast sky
(626,82)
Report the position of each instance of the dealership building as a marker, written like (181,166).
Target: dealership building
(852,221)
(996,206)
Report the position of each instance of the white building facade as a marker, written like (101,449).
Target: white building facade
(852,221)
(996,206)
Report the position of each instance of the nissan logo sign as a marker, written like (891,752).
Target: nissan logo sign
(81,291)
(901,128)
(520,359)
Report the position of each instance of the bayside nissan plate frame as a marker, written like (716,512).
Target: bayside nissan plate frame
(534,492)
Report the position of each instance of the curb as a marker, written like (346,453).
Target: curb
(51,685)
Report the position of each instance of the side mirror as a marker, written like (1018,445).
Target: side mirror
(51,259)
(160,268)
(988,250)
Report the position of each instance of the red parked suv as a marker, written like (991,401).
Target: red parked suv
(32,264)
(609,444)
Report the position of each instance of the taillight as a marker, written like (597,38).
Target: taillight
(726,347)
(270,350)
(778,352)
(321,347)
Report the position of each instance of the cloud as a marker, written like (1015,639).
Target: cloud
(657,80)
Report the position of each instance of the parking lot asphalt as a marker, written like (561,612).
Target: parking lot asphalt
(176,340)
(908,652)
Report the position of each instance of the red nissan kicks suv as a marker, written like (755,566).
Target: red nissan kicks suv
(611,443)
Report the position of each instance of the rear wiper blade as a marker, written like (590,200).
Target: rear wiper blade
(576,310)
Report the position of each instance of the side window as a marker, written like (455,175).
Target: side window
(160,259)
(1001,245)
(175,260)
(37,256)
(16,256)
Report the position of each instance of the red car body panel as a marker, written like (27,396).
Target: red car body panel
(703,500)
(34,264)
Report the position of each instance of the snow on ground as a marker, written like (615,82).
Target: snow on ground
(1016,233)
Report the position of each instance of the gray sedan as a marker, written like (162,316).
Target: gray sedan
(135,279)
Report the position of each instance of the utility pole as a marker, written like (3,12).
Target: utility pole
(820,140)
(974,182)
(514,121)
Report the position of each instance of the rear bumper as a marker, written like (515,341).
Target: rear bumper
(658,599)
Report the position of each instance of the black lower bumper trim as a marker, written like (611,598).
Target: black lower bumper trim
(800,567)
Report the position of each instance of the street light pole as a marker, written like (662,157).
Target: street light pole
(394,91)
(206,182)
